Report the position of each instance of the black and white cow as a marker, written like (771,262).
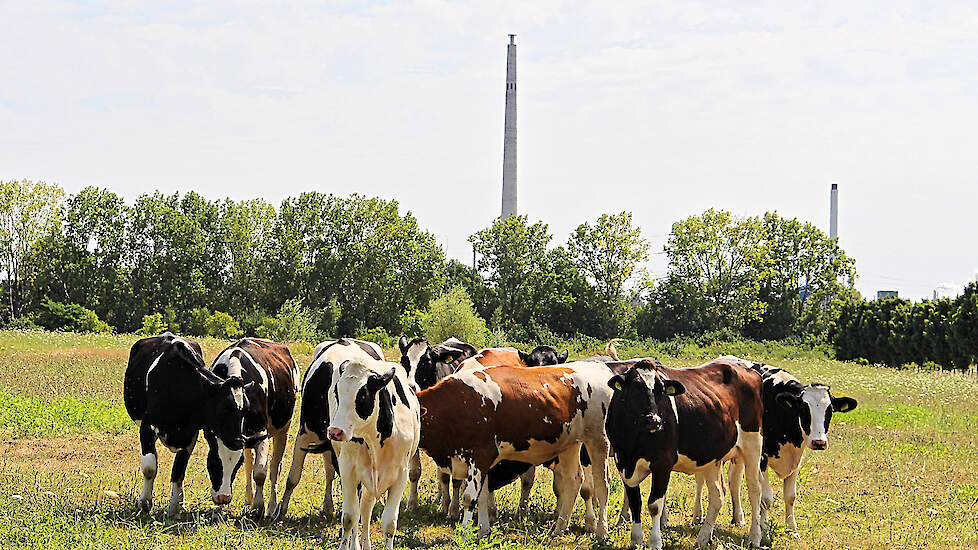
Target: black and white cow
(543,356)
(687,420)
(375,427)
(314,413)
(796,418)
(171,396)
(269,401)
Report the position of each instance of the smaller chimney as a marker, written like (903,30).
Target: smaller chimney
(834,212)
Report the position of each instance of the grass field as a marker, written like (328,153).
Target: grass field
(899,472)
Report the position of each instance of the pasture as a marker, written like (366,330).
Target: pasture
(899,471)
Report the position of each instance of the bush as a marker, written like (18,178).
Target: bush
(252,322)
(222,325)
(411,322)
(196,321)
(452,314)
(152,324)
(22,323)
(377,335)
(296,323)
(70,318)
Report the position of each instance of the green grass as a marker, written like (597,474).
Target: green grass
(899,472)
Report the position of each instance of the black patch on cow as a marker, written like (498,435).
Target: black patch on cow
(399,388)
(368,349)
(385,415)
(364,403)
(506,472)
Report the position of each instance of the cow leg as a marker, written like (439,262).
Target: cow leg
(790,488)
(351,507)
(388,520)
(526,487)
(657,503)
(177,474)
(493,512)
(587,495)
(415,476)
(633,499)
(249,466)
(148,465)
(475,486)
(711,477)
(367,501)
(735,477)
(259,472)
(767,495)
(444,490)
(751,455)
(458,470)
(598,453)
(279,440)
(698,498)
(567,485)
(302,442)
(328,511)
(664,515)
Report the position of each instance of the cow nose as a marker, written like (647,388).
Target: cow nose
(655,422)
(222,499)
(336,434)
(819,444)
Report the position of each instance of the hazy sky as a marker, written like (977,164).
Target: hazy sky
(663,109)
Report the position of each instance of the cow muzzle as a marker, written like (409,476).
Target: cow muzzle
(221,500)
(653,422)
(336,434)
(818,444)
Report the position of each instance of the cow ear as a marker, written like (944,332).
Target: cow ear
(843,404)
(562,357)
(378,381)
(524,357)
(186,352)
(617,383)
(785,399)
(403,344)
(445,354)
(673,388)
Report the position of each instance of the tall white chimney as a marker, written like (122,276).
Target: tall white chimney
(509,132)
(834,212)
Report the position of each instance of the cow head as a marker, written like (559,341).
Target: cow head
(814,405)
(640,393)
(543,356)
(227,402)
(356,390)
(426,364)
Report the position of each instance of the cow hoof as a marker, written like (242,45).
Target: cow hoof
(173,512)
(217,516)
(697,520)
(703,541)
(144,505)
(738,522)
(279,512)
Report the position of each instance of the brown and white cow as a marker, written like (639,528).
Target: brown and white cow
(314,414)
(688,420)
(270,371)
(476,418)
(796,418)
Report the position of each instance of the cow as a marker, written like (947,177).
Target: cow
(171,396)
(542,356)
(375,429)
(477,418)
(796,418)
(314,414)
(662,420)
(273,378)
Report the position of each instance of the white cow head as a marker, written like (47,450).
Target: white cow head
(355,394)
(814,406)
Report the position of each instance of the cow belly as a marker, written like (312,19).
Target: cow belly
(686,465)
(538,451)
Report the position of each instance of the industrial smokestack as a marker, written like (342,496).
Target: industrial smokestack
(509,132)
(834,212)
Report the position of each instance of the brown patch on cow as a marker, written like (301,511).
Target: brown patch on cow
(462,422)
(280,369)
(499,357)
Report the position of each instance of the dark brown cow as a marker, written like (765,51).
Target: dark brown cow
(478,417)
(268,414)
(688,420)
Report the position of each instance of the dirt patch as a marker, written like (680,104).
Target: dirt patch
(67,454)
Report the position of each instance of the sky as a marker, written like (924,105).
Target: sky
(664,109)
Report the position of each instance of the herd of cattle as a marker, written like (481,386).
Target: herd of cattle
(485,417)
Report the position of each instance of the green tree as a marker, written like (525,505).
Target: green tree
(453,315)
(29,211)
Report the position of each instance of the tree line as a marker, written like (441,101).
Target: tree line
(320,264)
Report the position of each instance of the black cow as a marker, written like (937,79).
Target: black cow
(272,377)
(171,396)
(543,356)
(427,364)
(688,420)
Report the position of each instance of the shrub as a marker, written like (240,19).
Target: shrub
(152,324)
(411,322)
(377,335)
(70,318)
(296,322)
(22,323)
(196,321)
(252,322)
(222,325)
(452,314)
